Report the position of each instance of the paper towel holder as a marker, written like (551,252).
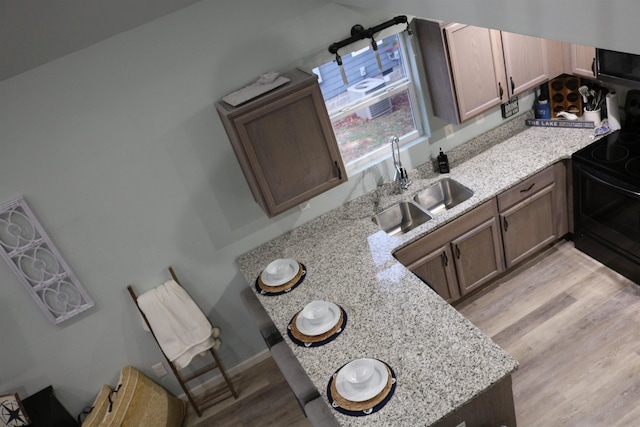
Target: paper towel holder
(613,110)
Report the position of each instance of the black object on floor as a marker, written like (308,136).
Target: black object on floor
(46,411)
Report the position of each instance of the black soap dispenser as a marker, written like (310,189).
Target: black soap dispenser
(443,162)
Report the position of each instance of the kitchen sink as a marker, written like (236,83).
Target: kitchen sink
(401,218)
(442,195)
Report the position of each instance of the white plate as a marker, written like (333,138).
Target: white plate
(331,320)
(293,267)
(377,384)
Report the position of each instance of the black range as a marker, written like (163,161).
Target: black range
(606,196)
(617,154)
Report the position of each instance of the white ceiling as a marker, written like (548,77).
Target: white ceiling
(33,32)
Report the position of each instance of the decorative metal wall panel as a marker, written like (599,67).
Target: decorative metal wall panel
(38,264)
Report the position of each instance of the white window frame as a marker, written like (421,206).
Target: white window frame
(408,83)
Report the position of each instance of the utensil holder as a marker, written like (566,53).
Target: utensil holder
(592,116)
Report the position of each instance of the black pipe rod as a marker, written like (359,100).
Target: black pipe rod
(368,33)
(397,20)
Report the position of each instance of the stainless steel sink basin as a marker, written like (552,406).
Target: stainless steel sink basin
(401,218)
(442,195)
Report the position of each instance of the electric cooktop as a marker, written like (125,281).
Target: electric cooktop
(617,154)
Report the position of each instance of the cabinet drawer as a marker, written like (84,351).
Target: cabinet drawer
(525,189)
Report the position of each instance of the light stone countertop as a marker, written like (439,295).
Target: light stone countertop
(440,358)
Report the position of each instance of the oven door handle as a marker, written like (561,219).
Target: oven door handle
(608,180)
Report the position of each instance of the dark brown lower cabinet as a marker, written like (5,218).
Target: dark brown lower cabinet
(436,269)
(473,249)
(533,213)
(460,256)
(494,407)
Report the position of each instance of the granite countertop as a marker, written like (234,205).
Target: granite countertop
(440,358)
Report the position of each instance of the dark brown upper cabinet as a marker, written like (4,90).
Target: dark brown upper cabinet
(285,143)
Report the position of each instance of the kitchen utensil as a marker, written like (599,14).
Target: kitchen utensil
(359,373)
(592,99)
(330,320)
(592,116)
(279,272)
(315,312)
(278,269)
(596,102)
(584,91)
(375,385)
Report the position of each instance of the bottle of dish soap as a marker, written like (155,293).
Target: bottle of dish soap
(443,162)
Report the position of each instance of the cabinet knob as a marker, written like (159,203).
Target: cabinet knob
(445,259)
(457,252)
(505,224)
(500,90)
(513,85)
(593,67)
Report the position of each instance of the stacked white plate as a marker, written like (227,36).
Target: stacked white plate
(279,272)
(317,318)
(366,391)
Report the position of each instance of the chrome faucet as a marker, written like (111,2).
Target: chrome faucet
(400,176)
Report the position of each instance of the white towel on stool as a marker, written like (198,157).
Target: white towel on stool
(180,327)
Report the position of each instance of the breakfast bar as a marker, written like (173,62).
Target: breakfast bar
(440,359)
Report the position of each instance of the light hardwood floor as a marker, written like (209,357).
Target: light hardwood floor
(572,324)
(574,327)
(264,399)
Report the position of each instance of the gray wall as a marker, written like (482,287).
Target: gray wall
(119,151)
(608,24)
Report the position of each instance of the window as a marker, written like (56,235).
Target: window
(374,105)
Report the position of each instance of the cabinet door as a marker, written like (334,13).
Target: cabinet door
(528,226)
(554,51)
(285,144)
(477,67)
(525,62)
(459,256)
(436,269)
(478,255)
(582,61)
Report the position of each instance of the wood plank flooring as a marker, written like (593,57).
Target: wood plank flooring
(264,399)
(572,324)
(574,327)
